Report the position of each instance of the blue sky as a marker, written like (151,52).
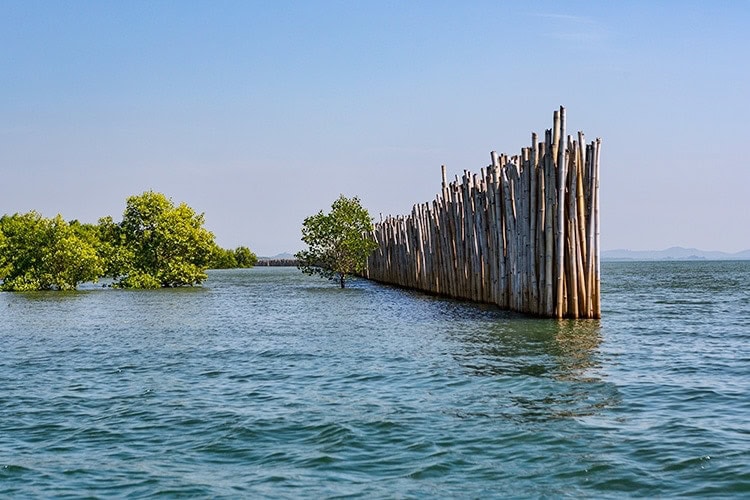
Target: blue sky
(261,113)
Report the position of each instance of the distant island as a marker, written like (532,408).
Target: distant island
(673,253)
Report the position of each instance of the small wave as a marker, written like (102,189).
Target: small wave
(13,470)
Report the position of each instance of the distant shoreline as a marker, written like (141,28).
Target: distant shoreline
(673,253)
(694,259)
(276,263)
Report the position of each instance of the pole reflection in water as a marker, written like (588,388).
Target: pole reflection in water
(542,369)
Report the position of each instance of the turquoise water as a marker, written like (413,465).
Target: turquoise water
(268,383)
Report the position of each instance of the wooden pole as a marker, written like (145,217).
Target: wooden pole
(533,275)
(560,221)
(548,226)
(572,260)
(597,275)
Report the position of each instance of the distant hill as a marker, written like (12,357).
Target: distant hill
(673,253)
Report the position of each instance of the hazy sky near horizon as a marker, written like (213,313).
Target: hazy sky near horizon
(261,113)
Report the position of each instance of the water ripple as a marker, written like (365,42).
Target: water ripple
(269,384)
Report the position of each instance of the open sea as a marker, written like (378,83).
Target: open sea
(266,383)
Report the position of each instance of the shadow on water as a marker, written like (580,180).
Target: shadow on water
(517,345)
(549,368)
(495,342)
(93,289)
(48,295)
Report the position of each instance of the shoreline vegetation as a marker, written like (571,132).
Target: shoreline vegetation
(157,244)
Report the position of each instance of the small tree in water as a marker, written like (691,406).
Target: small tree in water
(157,244)
(339,242)
(37,253)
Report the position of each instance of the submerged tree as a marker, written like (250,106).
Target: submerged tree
(240,257)
(222,258)
(4,264)
(158,244)
(113,249)
(245,257)
(339,242)
(37,253)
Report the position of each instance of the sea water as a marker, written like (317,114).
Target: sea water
(266,383)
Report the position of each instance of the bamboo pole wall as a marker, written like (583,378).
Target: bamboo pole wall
(523,233)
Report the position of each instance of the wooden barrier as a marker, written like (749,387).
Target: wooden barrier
(522,234)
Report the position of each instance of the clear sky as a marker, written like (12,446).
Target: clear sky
(261,113)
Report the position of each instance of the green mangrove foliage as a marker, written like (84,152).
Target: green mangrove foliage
(157,244)
(166,245)
(224,258)
(338,242)
(46,254)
